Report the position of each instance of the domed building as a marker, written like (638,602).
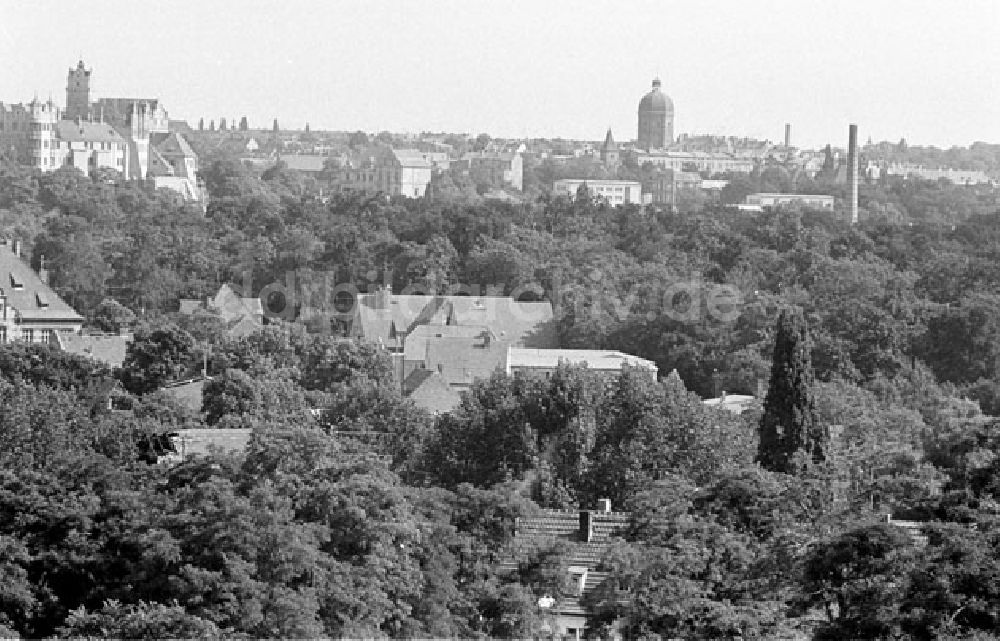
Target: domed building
(656,119)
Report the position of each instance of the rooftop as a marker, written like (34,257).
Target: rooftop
(106,348)
(591,358)
(86,131)
(27,294)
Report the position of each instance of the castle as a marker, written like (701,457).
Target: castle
(129,135)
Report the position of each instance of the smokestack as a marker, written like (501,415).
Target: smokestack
(788,135)
(852,168)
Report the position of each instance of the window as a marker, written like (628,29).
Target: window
(45,335)
(28,335)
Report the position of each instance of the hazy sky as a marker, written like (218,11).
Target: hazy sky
(918,69)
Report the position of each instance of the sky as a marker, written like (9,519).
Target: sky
(922,70)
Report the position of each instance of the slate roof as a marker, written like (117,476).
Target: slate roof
(105,348)
(28,295)
(422,335)
(463,361)
(564,526)
(527,324)
(430,391)
(86,131)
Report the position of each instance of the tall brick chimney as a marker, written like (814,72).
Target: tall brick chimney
(852,170)
(788,135)
(586,526)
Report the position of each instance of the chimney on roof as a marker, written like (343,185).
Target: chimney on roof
(604,506)
(16,248)
(383,296)
(788,135)
(43,273)
(586,526)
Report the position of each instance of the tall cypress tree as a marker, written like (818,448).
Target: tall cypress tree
(789,423)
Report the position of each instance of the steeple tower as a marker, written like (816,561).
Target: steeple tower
(78,92)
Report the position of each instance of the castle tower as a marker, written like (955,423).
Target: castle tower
(78,92)
(43,117)
(656,119)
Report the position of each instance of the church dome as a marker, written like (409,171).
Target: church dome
(656,101)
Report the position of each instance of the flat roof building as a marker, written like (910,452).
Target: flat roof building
(615,192)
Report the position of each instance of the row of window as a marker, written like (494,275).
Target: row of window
(28,335)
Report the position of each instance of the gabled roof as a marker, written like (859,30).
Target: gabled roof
(172,144)
(27,294)
(430,391)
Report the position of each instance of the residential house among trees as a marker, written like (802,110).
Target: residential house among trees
(29,309)
(242,315)
(588,534)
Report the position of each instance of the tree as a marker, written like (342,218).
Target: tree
(211,125)
(860,577)
(222,124)
(141,621)
(156,356)
(789,423)
(201,124)
(243,124)
(111,316)
(274,127)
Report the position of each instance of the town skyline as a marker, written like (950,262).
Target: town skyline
(732,71)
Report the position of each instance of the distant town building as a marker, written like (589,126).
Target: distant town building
(814,201)
(29,310)
(710,162)
(129,135)
(394,172)
(501,169)
(956,176)
(667,184)
(656,119)
(616,192)
(306,163)
(610,155)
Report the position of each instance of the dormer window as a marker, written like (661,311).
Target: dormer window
(43,301)
(15,284)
